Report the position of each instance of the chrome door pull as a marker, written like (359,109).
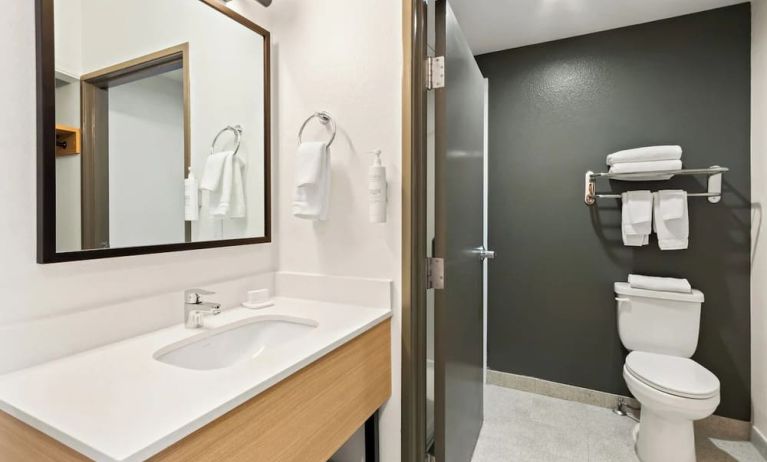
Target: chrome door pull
(485,254)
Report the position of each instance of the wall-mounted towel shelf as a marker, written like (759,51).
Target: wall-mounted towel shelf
(714,174)
(68,140)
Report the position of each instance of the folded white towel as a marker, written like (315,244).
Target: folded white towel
(311,199)
(636,218)
(648,154)
(646,167)
(673,233)
(660,284)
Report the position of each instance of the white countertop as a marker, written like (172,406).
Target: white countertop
(117,403)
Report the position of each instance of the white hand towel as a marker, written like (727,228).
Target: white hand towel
(646,167)
(221,209)
(237,207)
(223,179)
(661,284)
(309,164)
(674,233)
(311,199)
(636,218)
(214,168)
(648,154)
(673,204)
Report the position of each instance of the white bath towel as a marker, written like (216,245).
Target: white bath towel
(646,167)
(673,232)
(648,154)
(636,218)
(312,194)
(660,284)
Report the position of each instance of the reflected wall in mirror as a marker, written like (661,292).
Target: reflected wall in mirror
(141,89)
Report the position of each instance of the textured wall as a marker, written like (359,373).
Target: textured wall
(556,110)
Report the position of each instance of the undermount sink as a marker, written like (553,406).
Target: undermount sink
(234,343)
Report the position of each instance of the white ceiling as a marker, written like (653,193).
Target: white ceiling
(492,25)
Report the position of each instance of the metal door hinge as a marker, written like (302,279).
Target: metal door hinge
(435,72)
(435,273)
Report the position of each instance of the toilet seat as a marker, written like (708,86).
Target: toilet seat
(676,376)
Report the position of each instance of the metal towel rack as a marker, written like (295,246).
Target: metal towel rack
(236,129)
(714,174)
(325,118)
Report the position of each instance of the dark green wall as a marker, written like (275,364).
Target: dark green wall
(556,110)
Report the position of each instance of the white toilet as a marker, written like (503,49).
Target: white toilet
(661,331)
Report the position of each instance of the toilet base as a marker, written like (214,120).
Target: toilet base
(664,439)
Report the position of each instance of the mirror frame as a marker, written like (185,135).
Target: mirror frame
(46,149)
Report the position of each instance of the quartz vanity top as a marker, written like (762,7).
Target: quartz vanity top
(118,403)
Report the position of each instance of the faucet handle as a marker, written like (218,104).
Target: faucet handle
(194,295)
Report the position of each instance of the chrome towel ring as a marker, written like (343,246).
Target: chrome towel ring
(324,118)
(236,129)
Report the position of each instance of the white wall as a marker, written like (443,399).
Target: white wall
(68,40)
(345,57)
(146,161)
(759,199)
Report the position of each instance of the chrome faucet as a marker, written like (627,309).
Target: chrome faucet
(195,309)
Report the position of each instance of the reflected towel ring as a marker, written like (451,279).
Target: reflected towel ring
(236,129)
(325,118)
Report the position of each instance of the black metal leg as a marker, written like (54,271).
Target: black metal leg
(371,438)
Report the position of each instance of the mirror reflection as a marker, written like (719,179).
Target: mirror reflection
(141,96)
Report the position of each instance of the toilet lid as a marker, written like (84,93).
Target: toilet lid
(673,375)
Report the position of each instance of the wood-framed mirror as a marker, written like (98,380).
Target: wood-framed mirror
(153,120)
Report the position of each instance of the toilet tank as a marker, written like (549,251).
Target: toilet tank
(658,322)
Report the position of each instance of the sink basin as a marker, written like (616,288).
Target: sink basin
(234,343)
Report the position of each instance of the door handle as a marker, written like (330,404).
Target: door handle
(485,254)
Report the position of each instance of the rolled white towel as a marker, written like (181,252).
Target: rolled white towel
(648,154)
(660,284)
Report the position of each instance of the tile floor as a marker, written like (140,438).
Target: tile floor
(526,427)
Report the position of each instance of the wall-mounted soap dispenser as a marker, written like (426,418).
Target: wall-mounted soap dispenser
(377,189)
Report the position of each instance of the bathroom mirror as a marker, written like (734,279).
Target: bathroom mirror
(153,122)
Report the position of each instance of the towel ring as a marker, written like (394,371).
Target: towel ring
(236,129)
(325,118)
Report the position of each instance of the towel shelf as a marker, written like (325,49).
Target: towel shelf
(714,174)
(68,140)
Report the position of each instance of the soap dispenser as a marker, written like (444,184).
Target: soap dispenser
(377,189)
